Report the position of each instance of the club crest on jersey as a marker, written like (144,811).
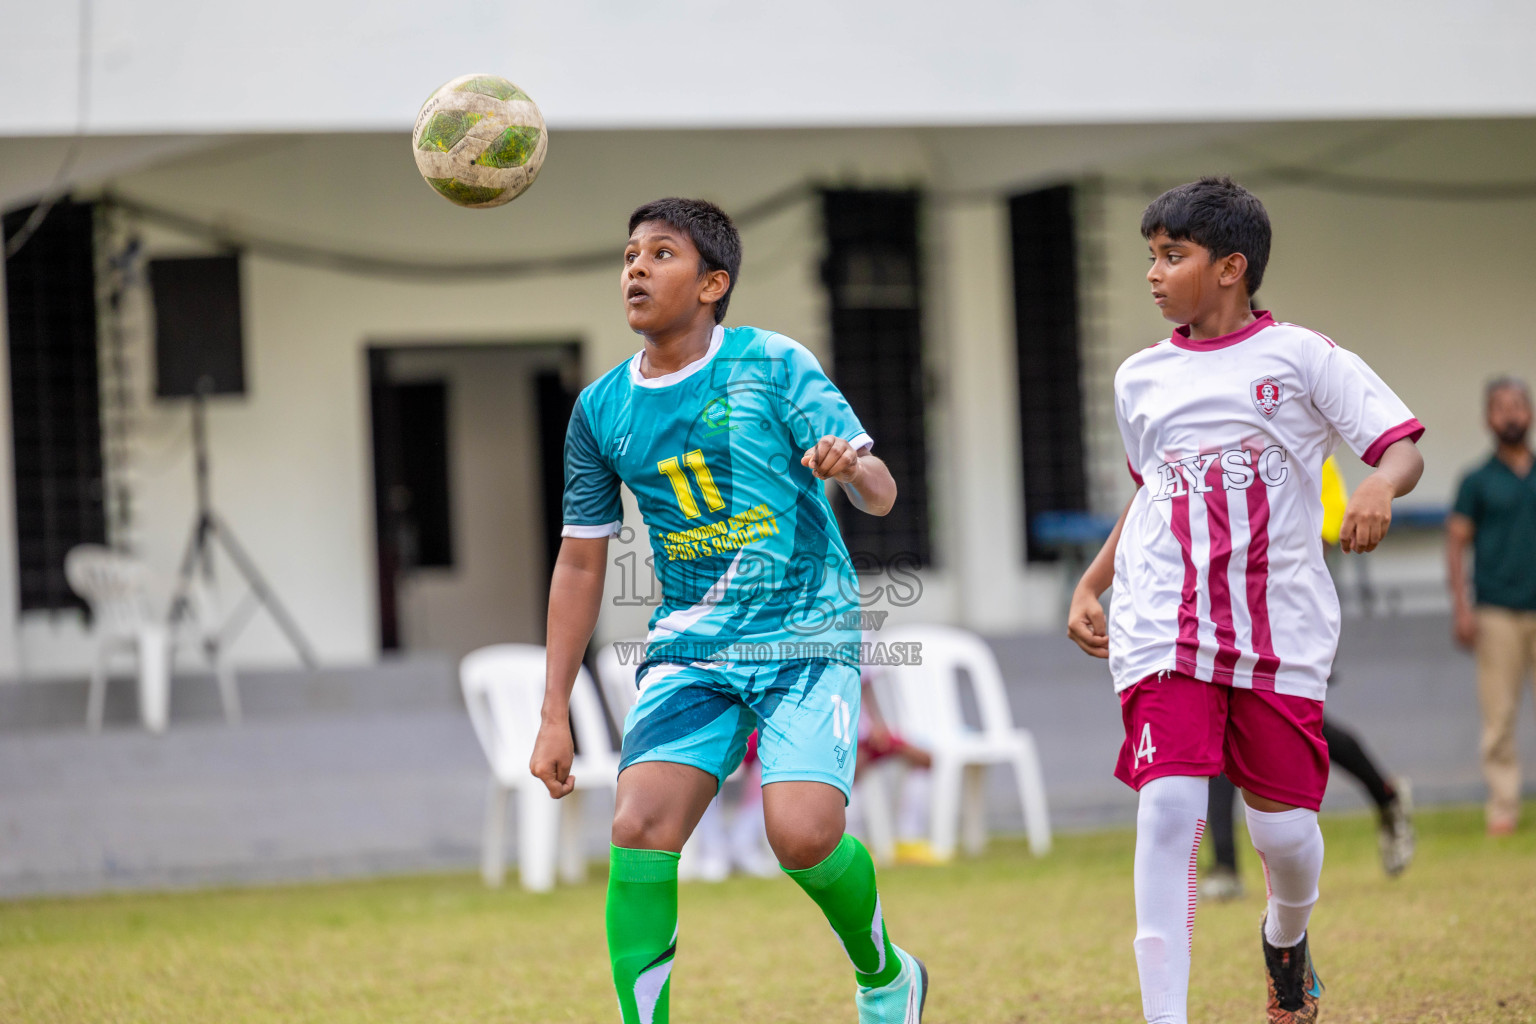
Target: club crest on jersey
(717,417)
(1267,394)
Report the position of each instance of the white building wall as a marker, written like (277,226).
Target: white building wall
(1430,293)
(291,459)
(175,66)
(980,505)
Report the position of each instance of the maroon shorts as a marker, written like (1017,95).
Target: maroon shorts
(1268,744)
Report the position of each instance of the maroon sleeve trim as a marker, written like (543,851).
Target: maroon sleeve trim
(1412,430)
(1135,475)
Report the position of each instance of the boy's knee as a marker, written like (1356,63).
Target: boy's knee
(635,829)
(806,843)
(1285,834)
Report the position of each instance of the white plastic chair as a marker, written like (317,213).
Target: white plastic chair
(620,693)
(504,691)
(123,620)
(926,704)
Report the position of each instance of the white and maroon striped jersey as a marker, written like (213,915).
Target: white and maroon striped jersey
(1219,573)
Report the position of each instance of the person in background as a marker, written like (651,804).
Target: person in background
(1495,514)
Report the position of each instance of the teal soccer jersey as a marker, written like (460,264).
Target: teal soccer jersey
(751,564)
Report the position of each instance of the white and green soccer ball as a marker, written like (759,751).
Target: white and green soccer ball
(479,141)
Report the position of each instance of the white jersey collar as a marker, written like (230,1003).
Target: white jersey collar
(668,379)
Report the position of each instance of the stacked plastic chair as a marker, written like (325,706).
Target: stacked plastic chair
(926,705)
(504,692)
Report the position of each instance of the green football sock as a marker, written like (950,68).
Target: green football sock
(642,931)
(843,886)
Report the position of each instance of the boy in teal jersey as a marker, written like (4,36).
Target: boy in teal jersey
(724,436)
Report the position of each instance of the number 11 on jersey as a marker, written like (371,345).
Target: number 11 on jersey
(694,460)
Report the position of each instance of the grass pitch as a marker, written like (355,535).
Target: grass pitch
(1007,938)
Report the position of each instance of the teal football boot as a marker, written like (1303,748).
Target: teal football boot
(900,1002)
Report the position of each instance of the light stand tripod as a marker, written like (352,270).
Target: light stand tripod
(209,528)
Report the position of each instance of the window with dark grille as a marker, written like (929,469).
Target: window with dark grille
(873,276)
(1049,364)
(50,287)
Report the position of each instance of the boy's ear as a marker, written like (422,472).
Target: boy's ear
(1234,268)
(716,283)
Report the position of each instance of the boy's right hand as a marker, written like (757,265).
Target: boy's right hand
(1464,627)
(1085,624)
(551,761)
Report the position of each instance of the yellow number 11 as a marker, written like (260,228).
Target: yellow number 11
(694,460)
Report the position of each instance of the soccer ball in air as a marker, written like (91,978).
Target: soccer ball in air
(479,141)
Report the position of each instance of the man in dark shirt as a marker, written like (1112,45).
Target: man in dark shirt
(1496,514)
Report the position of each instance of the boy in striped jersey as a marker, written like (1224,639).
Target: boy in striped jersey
(1225,620)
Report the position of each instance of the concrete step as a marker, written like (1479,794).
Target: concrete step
(417,681)
(348,772)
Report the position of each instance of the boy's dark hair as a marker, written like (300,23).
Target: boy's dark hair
(1218,214)
(710,230)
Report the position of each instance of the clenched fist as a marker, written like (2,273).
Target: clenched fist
(832,458)
(552,755)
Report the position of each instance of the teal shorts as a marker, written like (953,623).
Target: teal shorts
(700,714)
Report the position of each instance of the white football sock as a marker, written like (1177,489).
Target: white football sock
(1291,846)
(1169,823)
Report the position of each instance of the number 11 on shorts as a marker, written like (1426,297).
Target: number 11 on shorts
(842,718)
(1145,749)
